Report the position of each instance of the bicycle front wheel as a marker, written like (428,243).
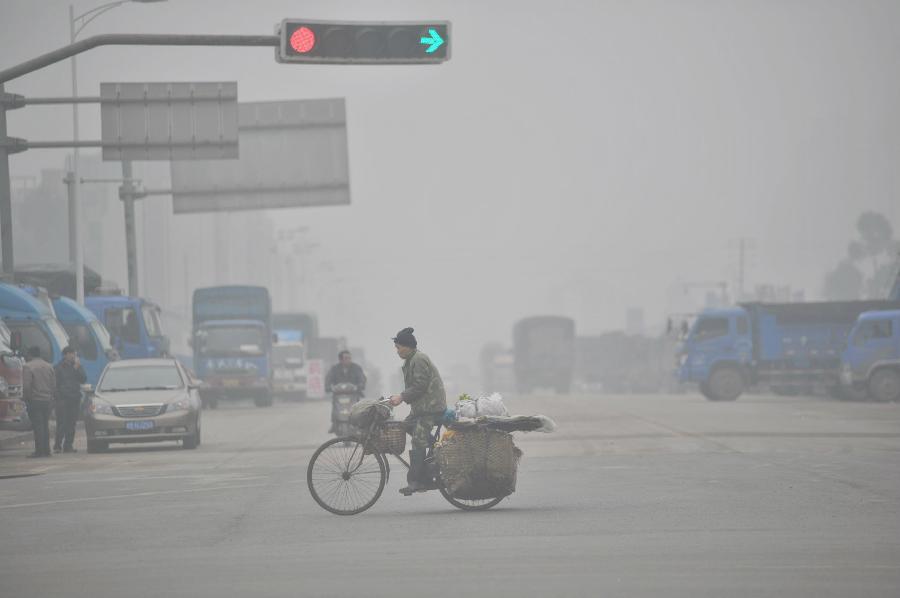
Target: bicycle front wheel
(344,480)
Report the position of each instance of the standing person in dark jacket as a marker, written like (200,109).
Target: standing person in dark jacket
(69,378)
(427,400)
(38,389)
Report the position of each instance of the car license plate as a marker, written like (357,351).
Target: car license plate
(231,382)
(140,425)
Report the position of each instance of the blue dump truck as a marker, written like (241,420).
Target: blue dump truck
(89,336)
(133,324)
(84,330)
(789,347)
(232,341)
(32,322)
(871,364)
(544,353)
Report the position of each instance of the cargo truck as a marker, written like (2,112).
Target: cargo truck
(232,341)
(544,353)
(870,366)
(789,347)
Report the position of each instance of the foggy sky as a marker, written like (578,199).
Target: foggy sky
(571,157)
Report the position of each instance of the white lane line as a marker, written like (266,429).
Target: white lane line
(198,478)
(138,494)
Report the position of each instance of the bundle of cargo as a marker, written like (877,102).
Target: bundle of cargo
(476,463)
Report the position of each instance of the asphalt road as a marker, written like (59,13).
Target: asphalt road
(633,496)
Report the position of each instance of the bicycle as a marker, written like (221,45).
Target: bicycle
(347,475)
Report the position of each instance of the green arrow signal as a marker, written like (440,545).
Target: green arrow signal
(434,42)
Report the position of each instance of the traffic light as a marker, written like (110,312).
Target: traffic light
(345,42)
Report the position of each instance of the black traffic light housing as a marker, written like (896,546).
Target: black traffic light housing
(354,42)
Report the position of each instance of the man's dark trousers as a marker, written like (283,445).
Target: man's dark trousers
(66,416)
(39,414)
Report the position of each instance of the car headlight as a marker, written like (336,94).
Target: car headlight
(179,405)
(101,407)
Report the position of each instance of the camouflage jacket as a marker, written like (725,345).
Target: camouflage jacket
(424,387)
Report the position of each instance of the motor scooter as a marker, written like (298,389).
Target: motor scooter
(343,396)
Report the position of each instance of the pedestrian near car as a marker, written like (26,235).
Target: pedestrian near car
(38,390)
(69,378)
(427,399)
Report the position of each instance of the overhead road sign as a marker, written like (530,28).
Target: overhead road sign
(356,42)
(293,154)
(169,121)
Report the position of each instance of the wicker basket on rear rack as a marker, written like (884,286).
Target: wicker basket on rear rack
(390,438)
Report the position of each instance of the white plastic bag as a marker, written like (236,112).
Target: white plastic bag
(472,408)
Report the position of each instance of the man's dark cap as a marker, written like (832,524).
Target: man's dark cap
(405,338)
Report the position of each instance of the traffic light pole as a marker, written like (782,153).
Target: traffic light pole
(5,192)
(9,146)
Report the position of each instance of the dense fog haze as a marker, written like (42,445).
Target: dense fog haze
(575,158)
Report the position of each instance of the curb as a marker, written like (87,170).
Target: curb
(16,440)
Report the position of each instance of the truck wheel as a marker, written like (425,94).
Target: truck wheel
(725,384)
(884,385)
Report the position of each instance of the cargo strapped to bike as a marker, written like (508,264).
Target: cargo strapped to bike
(366,412)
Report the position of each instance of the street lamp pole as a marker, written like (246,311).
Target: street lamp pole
(76,246)
(76,243)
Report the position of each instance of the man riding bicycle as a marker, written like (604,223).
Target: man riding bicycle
(426,397)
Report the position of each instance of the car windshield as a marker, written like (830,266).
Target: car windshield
(58,333)
(80,336)
(33,335)
(141,377)
(102,334)
(238,340)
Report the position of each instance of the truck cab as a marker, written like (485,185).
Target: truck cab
(88,335)
(134,325)
(871,361)
(232,342)
(716,353)
(289,365)
(33,322)
(232,359)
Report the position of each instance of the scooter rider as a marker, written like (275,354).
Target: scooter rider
(428,401)
(344,371)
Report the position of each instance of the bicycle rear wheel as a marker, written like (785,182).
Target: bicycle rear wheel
(344,480)
(470,504)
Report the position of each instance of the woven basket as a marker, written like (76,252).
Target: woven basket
(477,463)
(390,439)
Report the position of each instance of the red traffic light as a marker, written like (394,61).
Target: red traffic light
(303,40)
